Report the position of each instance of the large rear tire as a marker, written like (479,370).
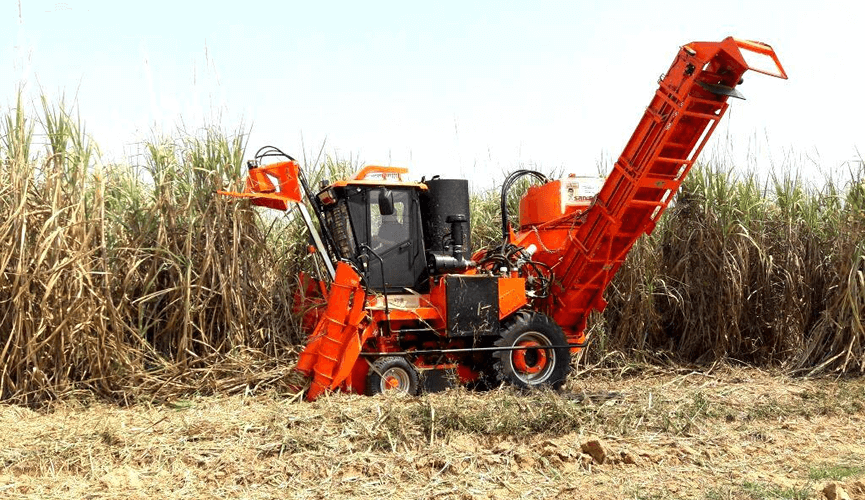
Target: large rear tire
(531,368)
(392,374)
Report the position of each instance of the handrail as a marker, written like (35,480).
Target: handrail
(377,169)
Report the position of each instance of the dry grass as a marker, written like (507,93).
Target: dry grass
(139,283)
(770,275)
(728,433)
(125,280)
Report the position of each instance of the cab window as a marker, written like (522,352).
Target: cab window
(390,231)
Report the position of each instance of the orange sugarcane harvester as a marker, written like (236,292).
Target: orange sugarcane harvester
(404,303)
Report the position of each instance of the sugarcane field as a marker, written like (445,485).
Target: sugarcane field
(407,299)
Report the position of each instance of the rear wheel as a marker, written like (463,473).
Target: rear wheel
(533,367)
(392,375)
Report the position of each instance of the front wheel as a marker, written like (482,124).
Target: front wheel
(392,374)
(533,367)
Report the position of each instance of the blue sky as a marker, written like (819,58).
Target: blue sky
(469,89)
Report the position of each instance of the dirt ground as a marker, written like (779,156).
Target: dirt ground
(651,433)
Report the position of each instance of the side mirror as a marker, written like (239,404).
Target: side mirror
(385,201)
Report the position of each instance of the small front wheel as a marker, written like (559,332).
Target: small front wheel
(392,374)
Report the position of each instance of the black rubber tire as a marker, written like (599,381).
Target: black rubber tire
(553,365)
(398,370)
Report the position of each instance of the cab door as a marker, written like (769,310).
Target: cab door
(396,241)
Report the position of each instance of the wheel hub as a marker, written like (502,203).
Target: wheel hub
(395,379)
(533,352)
(535,365)
(530,361)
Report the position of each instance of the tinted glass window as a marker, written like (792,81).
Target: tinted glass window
(390,231)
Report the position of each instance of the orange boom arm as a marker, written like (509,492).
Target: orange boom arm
(584,247)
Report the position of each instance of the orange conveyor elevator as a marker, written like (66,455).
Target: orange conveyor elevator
(585,248)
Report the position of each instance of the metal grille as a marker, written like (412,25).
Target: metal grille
(340,227)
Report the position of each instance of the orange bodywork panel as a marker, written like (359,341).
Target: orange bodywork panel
(541,203)
(512,296)
(273,186)
(544,203)
(584,249)
(428,314)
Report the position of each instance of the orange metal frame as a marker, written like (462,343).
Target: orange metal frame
(261,190)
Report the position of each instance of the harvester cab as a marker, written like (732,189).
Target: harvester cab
(398,233)
(408,306)
(375,224)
